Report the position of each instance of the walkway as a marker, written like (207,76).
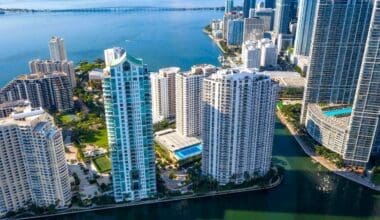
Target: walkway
(164,200)
(324,162)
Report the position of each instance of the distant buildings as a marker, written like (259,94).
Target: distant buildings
(265,14)
(251,55)
(235,32)
(268,53)
(33,167)
(259,53)
(128,110)
(284,42)
(57,49)
(247,5)
(229,6)
(237,137)
(305,26)
(51,91)
(282,16)
(49,66)
(189,100)
(253,29)
(163,93)
(226,18)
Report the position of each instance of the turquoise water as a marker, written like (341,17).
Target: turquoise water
(338,112)
(188,152)
(162,39)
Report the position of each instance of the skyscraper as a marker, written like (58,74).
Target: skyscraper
(339,37)
(163,93)
(127,104)
(364,133)
(33,166)
(57,49)
(253,29)
(265,14)
(247,5)
(237,125)
(50,91)
(305,27)
(251,55)
(235,32)
(189,99)
(229,6)
(282,16)
(49,66)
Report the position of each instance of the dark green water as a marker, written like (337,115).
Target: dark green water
(308,192)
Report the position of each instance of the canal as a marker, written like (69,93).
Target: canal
(309,191)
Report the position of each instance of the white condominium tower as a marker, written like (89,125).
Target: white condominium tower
(364,132)
(189,99)
(163,93)
(237,125)
(57,49)
(33,168)
(128,110)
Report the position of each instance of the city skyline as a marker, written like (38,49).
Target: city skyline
(291,103)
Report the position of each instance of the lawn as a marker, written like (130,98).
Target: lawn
(103,164)
(68,118)
(98,138)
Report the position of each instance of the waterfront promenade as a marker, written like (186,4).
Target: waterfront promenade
(77,210)
(324,162)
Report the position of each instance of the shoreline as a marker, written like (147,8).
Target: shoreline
(273,185)
(324,162)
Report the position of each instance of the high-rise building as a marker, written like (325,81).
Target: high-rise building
(237,137)
(339,37)
(270,3)
(189,99)
(364,131)
(163,93)
(284,42)
(284,14)
(229,6)
(305,26)
(265,14)
(268,53)
(235,32)
(226,18)
(7,108)
(128,110)
(253,29)
(49,66)
(251,55)
(247,5)
(33,167)
(57,49)
(50,91)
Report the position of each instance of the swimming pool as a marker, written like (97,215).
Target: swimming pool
(188,152)
(338,112)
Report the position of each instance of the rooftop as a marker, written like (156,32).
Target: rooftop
(173,141)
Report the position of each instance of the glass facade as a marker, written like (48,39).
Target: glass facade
(364,125)
(339,36)
(127,101)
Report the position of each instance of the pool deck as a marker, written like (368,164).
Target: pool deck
(174,141)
